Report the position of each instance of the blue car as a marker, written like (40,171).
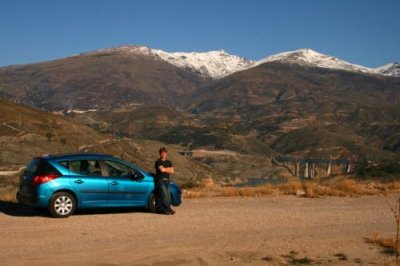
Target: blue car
(65,182)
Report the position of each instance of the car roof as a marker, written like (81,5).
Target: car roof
(77,155)
(85,156)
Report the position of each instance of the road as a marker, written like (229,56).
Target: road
(210,231)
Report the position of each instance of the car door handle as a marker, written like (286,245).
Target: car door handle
(79,181)
(114,183)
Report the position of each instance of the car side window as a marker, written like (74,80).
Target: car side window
(85,167)
(116,169)
(65,164)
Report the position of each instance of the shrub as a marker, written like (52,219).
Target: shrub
(386,172)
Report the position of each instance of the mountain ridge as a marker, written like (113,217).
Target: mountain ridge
(391,69)
(218,64)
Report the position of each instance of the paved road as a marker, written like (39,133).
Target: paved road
(209,231)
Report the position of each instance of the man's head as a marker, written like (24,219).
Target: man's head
(163,153)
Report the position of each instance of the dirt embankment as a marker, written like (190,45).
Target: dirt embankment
(206,231)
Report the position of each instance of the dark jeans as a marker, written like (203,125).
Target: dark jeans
(163,195)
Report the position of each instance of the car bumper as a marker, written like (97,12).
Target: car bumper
(27,200)
(38,198)
(176,196)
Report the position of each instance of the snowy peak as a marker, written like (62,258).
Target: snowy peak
(215,64)
(312,58)
(219,64)
(392,70)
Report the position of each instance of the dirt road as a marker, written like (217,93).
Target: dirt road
(210,231)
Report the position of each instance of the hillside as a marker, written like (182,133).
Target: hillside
(274,100)
(100,80)
(140,121)
(26,132)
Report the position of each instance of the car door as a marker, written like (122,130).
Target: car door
(88,182)
(126,186)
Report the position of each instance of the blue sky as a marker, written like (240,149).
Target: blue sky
(365,32)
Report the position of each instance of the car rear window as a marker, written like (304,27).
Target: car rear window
(40,166)
(46,168)
(33,166)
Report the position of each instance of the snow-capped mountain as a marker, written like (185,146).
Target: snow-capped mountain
(312,58)
(215,64)
(392,70)
(218,64)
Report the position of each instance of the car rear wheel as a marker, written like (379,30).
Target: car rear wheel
(62,205)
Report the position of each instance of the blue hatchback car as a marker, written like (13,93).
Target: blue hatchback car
(64,182)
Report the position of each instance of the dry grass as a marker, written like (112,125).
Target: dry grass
(290,188)
(395,185)
(8,195)
(218,191)
(247,191)
(341,187)
(196,193)
(8,188)
(388,243)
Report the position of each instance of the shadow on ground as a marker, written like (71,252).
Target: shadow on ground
(17,209)
(105,211)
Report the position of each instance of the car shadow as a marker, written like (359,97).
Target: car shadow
(21,210)
(17,209)
(105,211)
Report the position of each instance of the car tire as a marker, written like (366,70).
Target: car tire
(151,206)
(62,205)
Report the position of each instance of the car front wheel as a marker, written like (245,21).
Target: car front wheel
(152,205)
(62,205)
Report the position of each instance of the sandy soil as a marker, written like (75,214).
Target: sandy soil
(209,231)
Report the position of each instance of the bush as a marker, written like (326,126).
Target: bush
(385,172)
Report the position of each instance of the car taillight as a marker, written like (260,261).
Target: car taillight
(40,179)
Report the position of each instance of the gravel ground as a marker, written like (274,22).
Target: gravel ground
(208,231)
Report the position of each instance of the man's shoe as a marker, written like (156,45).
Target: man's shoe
(171,211)
(164,212)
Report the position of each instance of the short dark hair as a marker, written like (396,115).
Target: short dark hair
(162,149)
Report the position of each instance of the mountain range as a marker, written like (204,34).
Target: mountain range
(299,103)
(218,64)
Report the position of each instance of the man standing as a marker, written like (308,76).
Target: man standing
(163,169)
